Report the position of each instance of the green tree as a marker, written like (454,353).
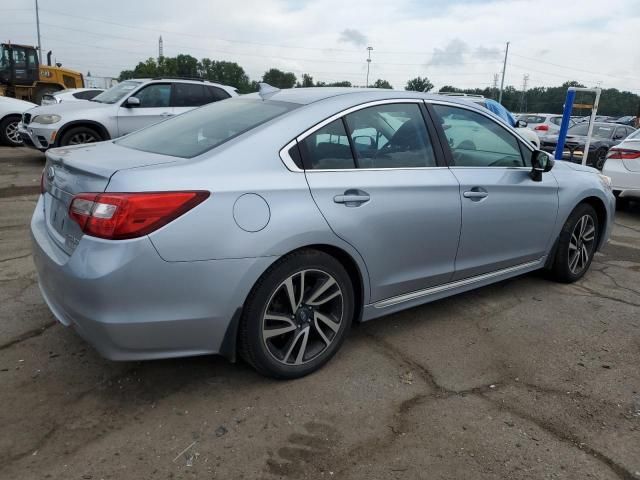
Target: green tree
(344,83)
(419,84)
(278,78)
(380,83)
(307,81)
(227,73)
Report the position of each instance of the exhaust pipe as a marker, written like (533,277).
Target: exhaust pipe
(49,58)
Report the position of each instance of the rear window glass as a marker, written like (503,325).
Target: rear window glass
(532,118)
(200,130)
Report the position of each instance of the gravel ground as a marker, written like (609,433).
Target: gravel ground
(523,379)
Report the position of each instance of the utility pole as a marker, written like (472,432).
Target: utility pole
(38,27)
(494,88)
(504,70)
(368,63)
(523,99)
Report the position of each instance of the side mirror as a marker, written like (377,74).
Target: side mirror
(521,124)
(541,162)
(132,102)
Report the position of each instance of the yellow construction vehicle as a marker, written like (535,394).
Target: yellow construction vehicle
(23,77)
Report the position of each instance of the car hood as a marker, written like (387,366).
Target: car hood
(69,107)
(13,105)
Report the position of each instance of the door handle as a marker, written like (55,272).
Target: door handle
(476,194)
(352,198)
(166,114)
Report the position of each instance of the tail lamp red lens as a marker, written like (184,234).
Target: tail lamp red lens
(118,216)
(623,154)
(542,127)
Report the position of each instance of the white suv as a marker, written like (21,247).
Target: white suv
(122,109)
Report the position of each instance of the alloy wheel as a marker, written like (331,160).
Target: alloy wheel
(12,133)
(581,244)
(82,137)
(303,317)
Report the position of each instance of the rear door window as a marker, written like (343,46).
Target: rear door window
(328,148)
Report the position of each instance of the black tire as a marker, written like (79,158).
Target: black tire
(41,92)
(599,158)
(75,135)
(561,269)
(9,130)
(260,352)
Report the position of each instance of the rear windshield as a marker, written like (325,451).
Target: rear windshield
(602,131)
(532,118)
(202,129)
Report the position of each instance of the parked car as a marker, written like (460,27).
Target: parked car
(544,123)
(268,223)
(122,109)
(604,136)
(626,120)
(71,95)
(501,112)
(623,166)
(11,110)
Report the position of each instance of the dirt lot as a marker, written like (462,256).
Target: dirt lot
(524,379)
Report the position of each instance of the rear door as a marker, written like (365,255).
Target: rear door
(378,178)
(155,106)
(507,218)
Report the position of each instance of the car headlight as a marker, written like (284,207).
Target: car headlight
(46,119)
(606,181)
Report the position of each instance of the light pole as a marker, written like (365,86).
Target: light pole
(504,69)
(368,63)
(38,28)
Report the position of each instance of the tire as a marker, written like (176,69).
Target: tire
(80,135)
(325,314)
(41,92)
(599,158)
(9,131)
(566,268)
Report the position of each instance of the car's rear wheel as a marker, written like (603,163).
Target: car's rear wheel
(600,158)
(297,315)
(80,135)
(576,245)
(9,131)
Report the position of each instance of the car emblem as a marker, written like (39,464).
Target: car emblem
(51,173)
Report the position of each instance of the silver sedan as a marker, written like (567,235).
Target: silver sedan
(267,224)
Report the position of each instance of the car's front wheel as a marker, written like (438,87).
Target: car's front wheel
(576,245)
(80,135)
(9,131)
(297,315)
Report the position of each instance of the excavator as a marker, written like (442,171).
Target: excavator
(23,77)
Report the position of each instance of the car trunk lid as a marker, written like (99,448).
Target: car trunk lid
(83,168)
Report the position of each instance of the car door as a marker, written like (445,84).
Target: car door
(377,177)
(507,218)
(155,106)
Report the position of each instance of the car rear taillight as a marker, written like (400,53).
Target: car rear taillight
(623,154)
(118,216)
(541,128)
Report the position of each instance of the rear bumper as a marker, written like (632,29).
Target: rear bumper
(37,136)
(130,304)
(623,180)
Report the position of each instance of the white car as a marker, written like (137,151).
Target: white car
(544,123)
(623,166)
(125,108)
(11,110)
(71,95)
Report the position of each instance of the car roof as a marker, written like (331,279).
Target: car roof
(306,96)
(178,79)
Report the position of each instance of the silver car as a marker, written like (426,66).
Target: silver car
(266,224)
(124,108)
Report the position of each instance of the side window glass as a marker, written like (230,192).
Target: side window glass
(328,148)
(214,94)
(154,96)
(526,154)
(391,136)
(477,141)
(188,95)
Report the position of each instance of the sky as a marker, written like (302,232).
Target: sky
(454,42)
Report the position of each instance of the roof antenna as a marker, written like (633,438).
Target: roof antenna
(267,91)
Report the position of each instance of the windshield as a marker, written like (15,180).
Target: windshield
(202,129)
(602,131)
(116,93)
